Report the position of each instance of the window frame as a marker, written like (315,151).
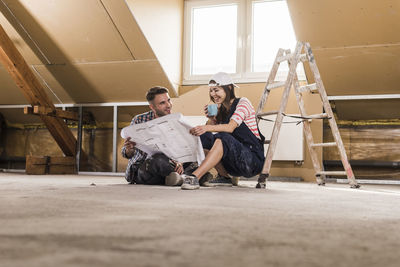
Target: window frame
(244,43)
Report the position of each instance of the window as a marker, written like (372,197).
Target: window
(240,37)
(209,55)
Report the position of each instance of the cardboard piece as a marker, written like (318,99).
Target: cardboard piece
(359,71)
(357,48)
(338,23)
(58,37)
(103,82)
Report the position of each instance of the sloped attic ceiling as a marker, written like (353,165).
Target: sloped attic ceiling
(83,51)
(357,48)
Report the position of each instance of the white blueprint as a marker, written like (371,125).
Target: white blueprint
(168,134)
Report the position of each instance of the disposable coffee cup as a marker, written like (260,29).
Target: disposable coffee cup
(212,110)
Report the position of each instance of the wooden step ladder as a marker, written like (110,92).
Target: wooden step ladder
(293,60)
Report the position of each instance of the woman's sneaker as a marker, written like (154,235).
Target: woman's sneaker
(235,180)
(190,182)
(203,181)
(222,181)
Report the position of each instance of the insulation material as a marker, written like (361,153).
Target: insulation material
(103,116)
(126,114)
(96,143)
(368,109)
(366,143)
(16,116)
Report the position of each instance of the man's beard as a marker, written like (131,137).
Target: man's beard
(160,113)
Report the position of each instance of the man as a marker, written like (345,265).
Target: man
(157,169)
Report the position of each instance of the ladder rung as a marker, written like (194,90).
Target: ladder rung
(303,57)
(317,116)
(323,144)
(275,85)
(284,58)
(332,173)
(308,88)
(273,112)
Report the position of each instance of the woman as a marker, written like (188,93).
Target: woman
(237,147)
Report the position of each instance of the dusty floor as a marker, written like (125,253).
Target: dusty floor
(101,221)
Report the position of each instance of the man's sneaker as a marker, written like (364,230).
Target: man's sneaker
(222,181)
(173,179)
(190,182)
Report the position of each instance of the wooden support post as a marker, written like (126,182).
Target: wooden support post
(23,76)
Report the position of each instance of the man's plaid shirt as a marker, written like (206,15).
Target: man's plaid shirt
(138,156)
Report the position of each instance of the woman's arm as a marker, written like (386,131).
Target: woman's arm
(211,121)
(227,127)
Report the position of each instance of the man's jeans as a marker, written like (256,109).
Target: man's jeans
(155,168)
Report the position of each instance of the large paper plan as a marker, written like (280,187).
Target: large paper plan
(168,134)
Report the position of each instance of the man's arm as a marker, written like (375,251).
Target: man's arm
(129,149)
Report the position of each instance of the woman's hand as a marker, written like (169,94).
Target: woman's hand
(199,130)
(206,110)
(212,120)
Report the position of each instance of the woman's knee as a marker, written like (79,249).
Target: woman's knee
(218,143)
(224,136)
(207,140)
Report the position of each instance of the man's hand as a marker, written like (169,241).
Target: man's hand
(129,146)
(198,130)
(178,166)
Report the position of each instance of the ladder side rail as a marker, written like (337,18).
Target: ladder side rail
(307,131)
(270,80)
(279,117)
(332,121)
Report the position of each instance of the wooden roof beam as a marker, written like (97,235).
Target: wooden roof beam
(34,92)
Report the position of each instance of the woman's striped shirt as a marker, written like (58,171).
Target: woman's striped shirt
(245,113)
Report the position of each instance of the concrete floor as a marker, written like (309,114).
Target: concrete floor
(102,221)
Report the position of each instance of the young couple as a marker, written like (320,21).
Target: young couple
(231,141)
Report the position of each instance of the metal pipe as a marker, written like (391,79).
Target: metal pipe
(79,141)
(115,132)
(364,163)
(111,104)
(364,97)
